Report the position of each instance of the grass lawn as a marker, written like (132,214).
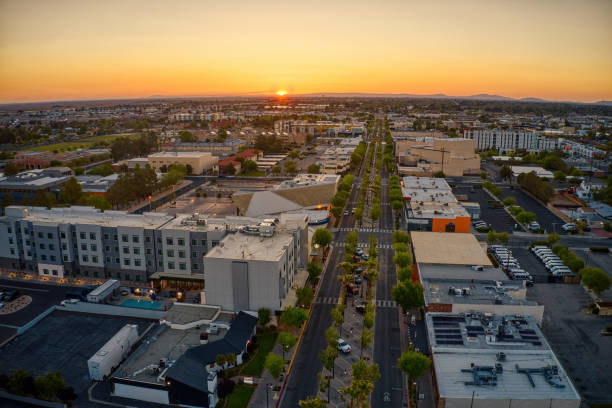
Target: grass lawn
(265,343)
(79,144)
(240,397)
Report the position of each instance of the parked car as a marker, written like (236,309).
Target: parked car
(360,308)
(346,213)
(569,227)
(69,302)
(359,251)
(358,279)
(365,257)
(343,346)
(533,226)
(352,289)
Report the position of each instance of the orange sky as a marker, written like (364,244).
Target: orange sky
(52,50)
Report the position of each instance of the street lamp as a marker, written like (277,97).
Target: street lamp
(268,388)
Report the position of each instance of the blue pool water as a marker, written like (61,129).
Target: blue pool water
(142,304)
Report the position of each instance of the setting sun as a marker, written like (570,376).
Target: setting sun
(281,92)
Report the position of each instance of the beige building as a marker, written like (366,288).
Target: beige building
(199,161)
(426,156)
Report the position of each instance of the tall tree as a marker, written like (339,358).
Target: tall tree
(71,192)
(409,295)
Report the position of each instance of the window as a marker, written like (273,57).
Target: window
(40,235)
(135,238)
(124,238)
(94,259)
(10,230)
(115,237)
(170,253)
(117,261)
(116,249)
(51,247)
(195,266)
(12,251)
(194,242)
(215,243)
(46,271)
(53,258)
(49,235)
(54,272)
(92,235)
(194,254)
(159,240)
(86,273)
(64,246)
(137,262)
(118,275)
(159,252)
(27,242)
(181,242)
(83,247)
(149,251)
(126,261)
(136,251)
(107,249)
(63,235)
(93,247)
(41,246)
(95,274)
(127,276)
(170,265)
(126,250)
(182,266)
(29,253)
(11,241)
(108,259)
(147,239)
(137,278)
(149,263)
(160,264)
(82,235)
(106,237)
(85,258)
(169,241)
(65,258)
(181,254)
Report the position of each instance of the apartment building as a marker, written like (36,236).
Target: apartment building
(82,241)
(503,140)
(225,148)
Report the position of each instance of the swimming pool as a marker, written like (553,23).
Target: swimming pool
(142,304)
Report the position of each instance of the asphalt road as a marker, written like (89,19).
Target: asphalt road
(498,218)
(302,380)
(547,220)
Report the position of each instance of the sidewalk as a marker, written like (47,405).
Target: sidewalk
(262,396)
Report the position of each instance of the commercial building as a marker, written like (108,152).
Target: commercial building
(97,185)
(82,241)
(483,360)
(26,184)
(173,368)
(425,156)
(198,161)
(430,205)
(304,191)
(503,140)
(539,171)
(462,296)
(336,160)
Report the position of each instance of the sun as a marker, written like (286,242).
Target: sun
(281,92)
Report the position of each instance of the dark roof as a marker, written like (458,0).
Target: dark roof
(190,368)
(190,372)
(241,330)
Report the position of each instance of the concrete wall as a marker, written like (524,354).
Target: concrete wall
(141,393)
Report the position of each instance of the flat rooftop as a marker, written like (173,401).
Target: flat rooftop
(429,183)
(437,210)
(428,195)
(163,343)
(192,155)
(251,247)
(456,377)
(461,272)
(303,180)
(448,291)
(448,248)
(87,215)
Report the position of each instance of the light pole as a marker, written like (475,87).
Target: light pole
(268,387)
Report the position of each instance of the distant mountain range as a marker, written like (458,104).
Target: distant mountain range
(477,97)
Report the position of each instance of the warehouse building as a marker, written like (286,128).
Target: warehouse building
(25,185)
(199,162)
(484,360)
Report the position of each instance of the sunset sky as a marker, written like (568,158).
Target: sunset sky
(82,49)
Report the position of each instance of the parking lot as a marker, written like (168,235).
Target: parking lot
(598,260)
(43,297)
(547,220)
(531,264)
(497,218)
(575,338)
(64,341)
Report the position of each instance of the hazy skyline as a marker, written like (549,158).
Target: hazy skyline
(56,50)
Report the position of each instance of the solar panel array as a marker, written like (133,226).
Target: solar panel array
(447,331)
